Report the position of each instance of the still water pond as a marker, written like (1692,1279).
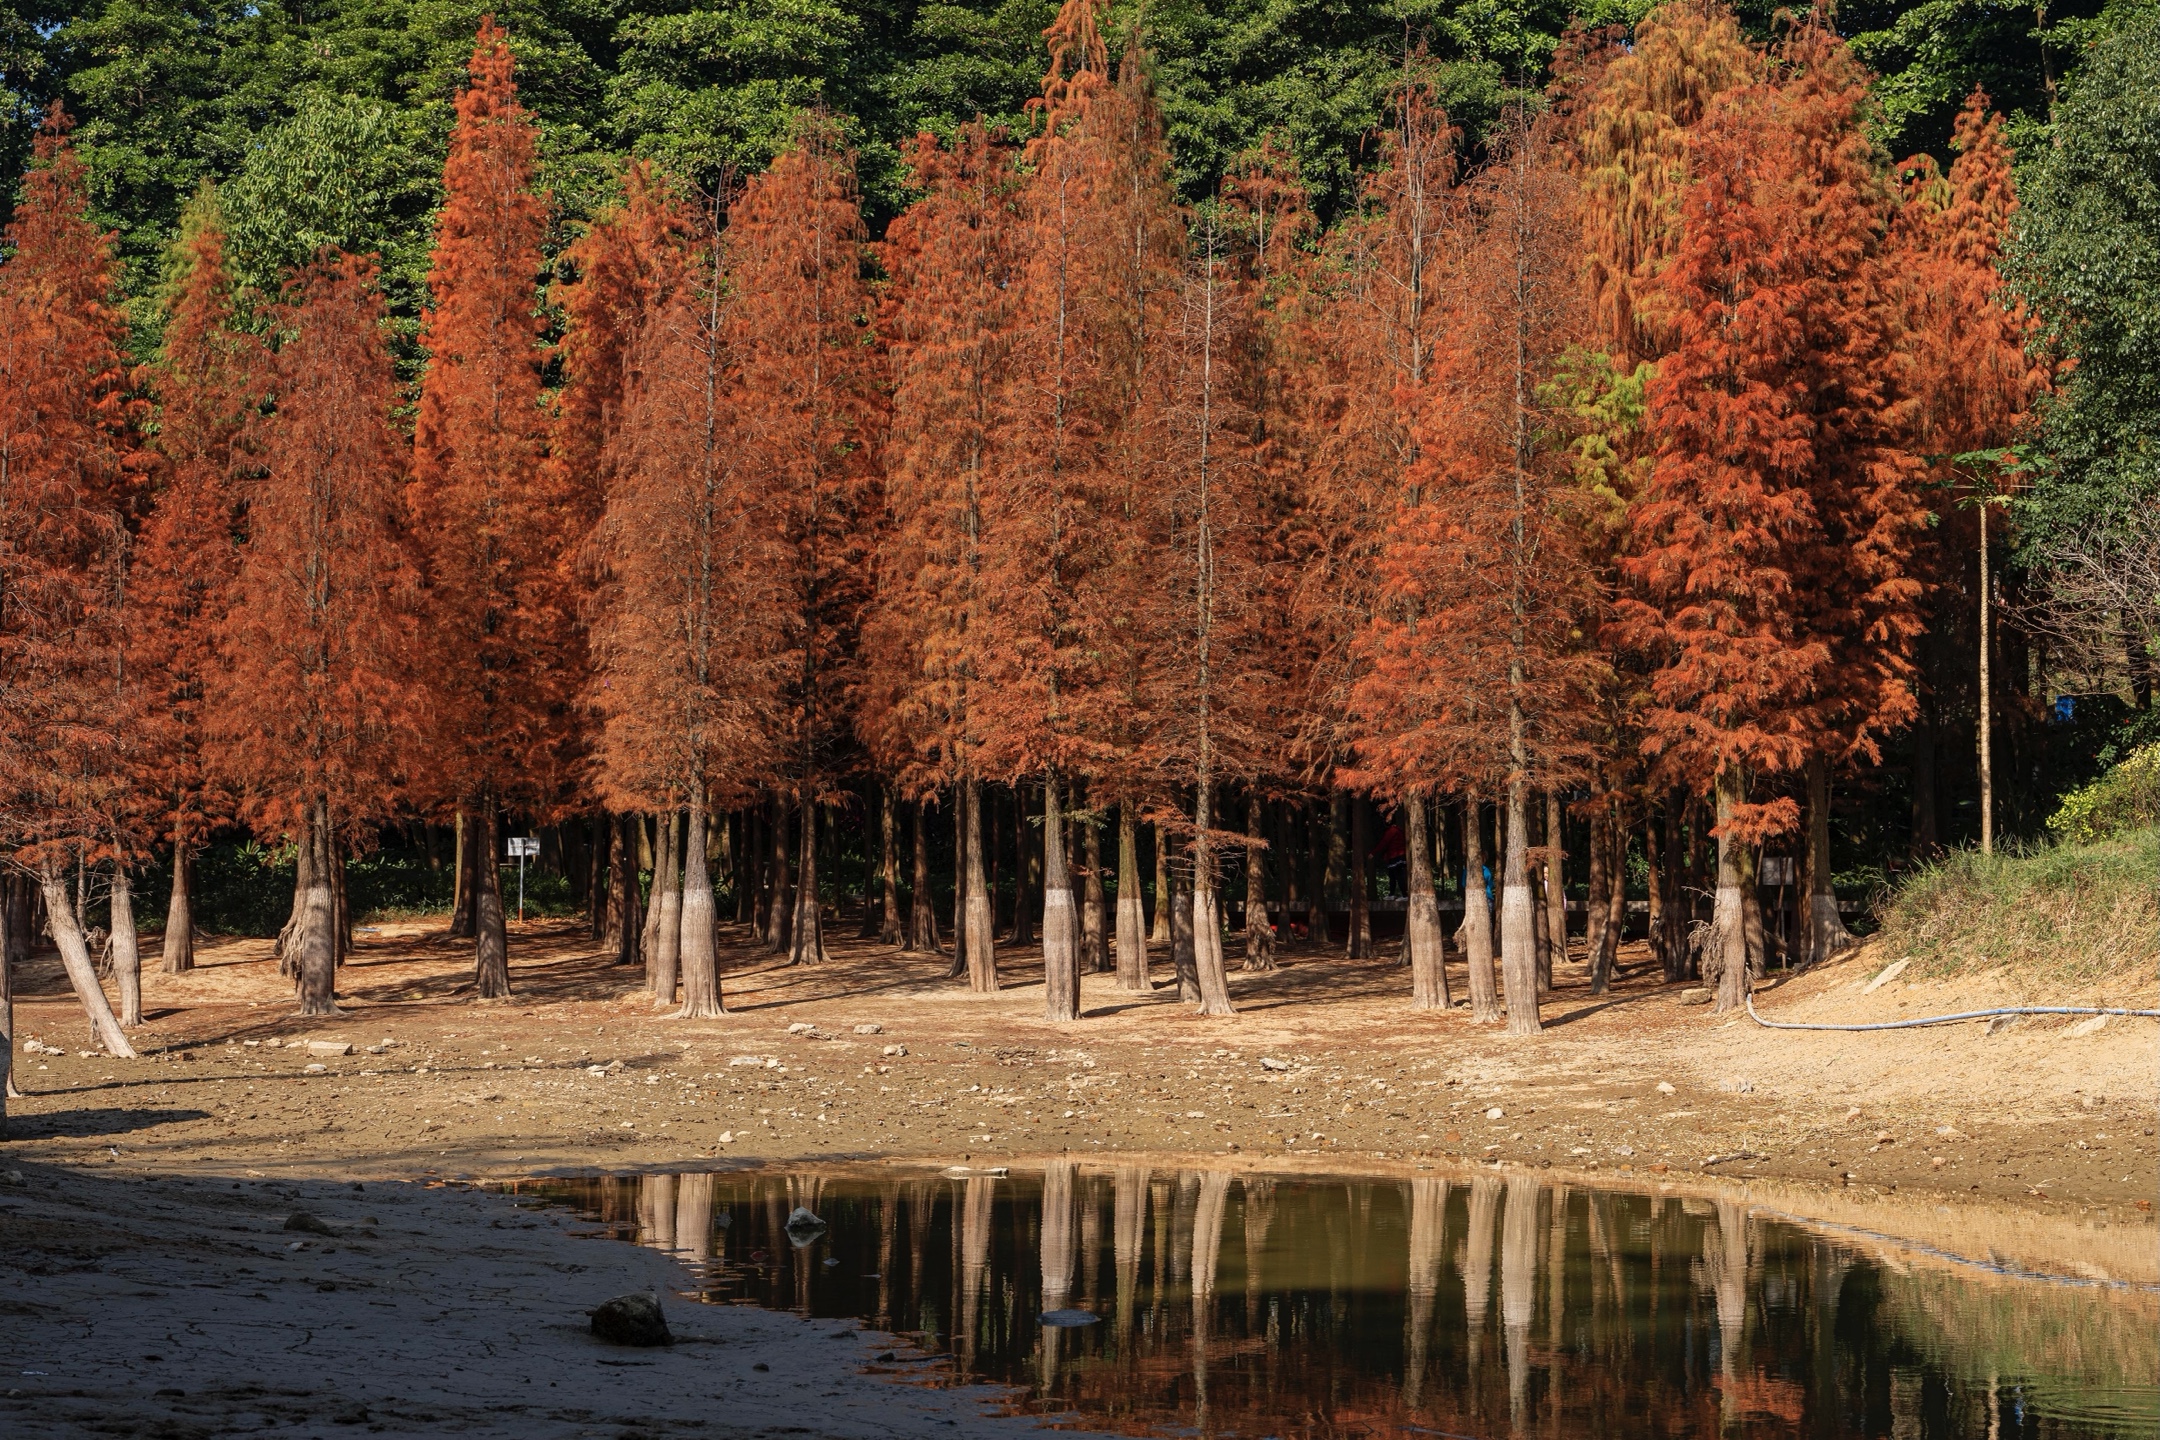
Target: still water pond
(1221,1304)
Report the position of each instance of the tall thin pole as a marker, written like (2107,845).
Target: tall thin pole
(1987,748)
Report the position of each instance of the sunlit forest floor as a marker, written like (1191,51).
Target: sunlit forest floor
(1325,1065)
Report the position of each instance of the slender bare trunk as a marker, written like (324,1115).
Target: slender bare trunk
(1477,916)
(1422,934)
(1132,956)
(888,868)
(699,920)
(1026,860)
(1986,705)
(1159,934)
(625,904)
(491,931)
(1614,895)
(60,916)
(1518,941)
(126,947)
(981,945)
(1181,935)
(665,963)
(1210,975)
(922,914)
(1359,945)
(959,883)
(7,996)
(779,913)
(1555,881)
(1094,903)
(1317,925)
(806,945)
(1724,943)
(1060,939)
(1259,926)
(178,953)
(1822,929)
(462,881)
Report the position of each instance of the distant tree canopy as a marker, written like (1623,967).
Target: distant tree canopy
(333,119)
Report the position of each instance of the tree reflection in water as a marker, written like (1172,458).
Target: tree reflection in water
(1314,1307)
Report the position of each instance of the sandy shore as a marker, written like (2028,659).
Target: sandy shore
(163,1306)
(1325,1064)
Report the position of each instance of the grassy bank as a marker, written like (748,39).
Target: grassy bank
(2063,913)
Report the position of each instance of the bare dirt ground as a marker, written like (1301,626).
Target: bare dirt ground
(1325,1064)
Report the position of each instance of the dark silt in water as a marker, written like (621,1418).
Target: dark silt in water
(1248,1305)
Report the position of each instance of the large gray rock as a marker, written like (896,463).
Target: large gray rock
(631,1320)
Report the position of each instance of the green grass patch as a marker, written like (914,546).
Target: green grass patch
(2063,913)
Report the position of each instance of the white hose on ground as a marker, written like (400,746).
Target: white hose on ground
(1949,1019)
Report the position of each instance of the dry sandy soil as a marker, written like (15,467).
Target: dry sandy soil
(1324,1063)
(151,1289)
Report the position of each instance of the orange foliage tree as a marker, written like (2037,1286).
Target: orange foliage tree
(1770,547)
(66,460)
(498,609)
(1475,673)
(683,615)
(308,711)
(953,260)
(810,415)
(207,380)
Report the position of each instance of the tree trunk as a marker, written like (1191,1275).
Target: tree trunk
(75,957)
(1676,918)
(779,914)
(1594,906)
(1822,929)
(1359,945)
(491,933)
(1540,930)
(126,947)
(1210,974)
(1518,914)
(1159,934)
(1555,881)
(1024,871)
(1615,892)
(1422,935)
(1132,956)
(315,930)
(1094,902)
(178,952)
(1181,936)
(341,927)
(1477,916)
(663,969)
(462,883)
(1724,942)
(698,922)
(625,904)
(1259,926)
(7,996)
(922,912)
(981,945)
(1317,927)
(1654,867)
(806,945)
(888,868)
(1060,938)
(599,852)
(287,945)
(959,884)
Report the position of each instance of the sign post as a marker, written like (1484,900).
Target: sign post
(520,847)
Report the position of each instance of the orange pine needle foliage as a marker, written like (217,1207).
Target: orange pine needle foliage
(810,416)
(309,701)
(67,455)
(208,381)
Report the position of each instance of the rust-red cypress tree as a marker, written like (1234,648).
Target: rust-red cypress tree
(67,456)
(1770,548)
(207,381)
(309,709)
(953,259)
(810,416)
(485,504)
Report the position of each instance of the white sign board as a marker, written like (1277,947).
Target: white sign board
(521,845)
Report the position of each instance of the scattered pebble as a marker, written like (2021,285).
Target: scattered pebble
(1664,1087)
